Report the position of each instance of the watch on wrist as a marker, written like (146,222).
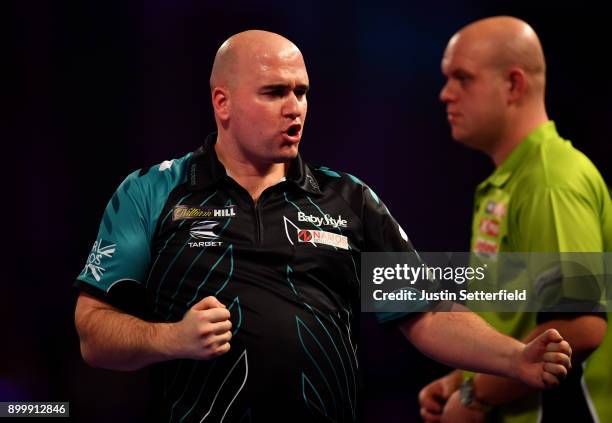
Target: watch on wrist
(468,396)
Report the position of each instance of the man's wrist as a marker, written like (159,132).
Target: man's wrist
(513,370)
(163,341)
(470,398)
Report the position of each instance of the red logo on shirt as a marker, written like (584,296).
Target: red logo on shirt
(305,235)
(484,246)
(489,227)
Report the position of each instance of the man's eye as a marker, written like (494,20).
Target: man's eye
(300,93)
(275,93)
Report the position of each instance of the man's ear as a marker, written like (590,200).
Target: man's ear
(221,102)
(517,84)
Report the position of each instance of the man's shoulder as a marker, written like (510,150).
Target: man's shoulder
(167,171)
(157,180)
(557,164)
(345,184)
(335,178)
(353,190)
(149,187)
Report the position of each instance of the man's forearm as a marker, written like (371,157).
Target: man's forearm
(463,340)
(115,340)
(498,390)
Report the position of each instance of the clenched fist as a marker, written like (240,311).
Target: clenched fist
(545,361)
(433,396)
(204,332)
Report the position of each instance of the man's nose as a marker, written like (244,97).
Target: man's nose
(446,94)
(291,107)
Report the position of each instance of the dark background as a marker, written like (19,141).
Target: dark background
(96,89)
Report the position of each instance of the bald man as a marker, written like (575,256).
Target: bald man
(247,260)
(544,196)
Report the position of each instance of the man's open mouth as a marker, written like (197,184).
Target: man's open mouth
(294,130)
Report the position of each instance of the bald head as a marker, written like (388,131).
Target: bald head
(495,79)
(503,42)
(242,51)
(258,91)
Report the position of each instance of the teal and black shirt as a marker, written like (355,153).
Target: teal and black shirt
(287,267)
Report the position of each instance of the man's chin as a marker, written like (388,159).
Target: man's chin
(285,158)
(287,153)
(471,143)
(463,139)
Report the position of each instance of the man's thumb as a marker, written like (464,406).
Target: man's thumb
(551,335)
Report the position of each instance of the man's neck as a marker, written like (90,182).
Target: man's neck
(253,177)
(515,134)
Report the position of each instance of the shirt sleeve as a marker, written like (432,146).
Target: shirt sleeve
(384,234)
(563,220)
(120,255)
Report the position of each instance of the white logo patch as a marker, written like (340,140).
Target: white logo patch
(315,237)
(325,220)
(204,230)
(96,257)
(402,233)
(166,164)
(323,237)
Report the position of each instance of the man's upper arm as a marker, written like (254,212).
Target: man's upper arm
(120,256)
(564,220)
(584,332)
